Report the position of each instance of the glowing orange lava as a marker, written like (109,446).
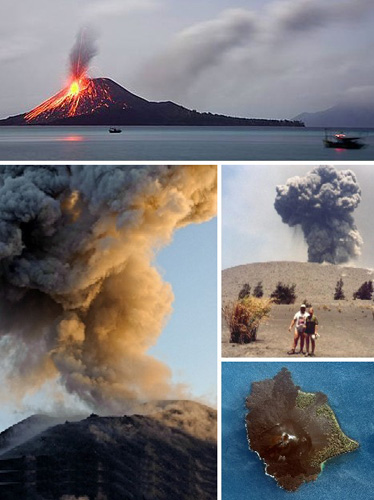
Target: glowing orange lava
(74,88)
(68,99)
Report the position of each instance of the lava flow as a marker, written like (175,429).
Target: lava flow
(67,100)
(81,89)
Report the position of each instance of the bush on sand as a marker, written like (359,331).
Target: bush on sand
(365,291)
(284,294)
(243,318)
(245,291)
(258,290)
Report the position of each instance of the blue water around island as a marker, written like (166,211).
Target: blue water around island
(350,389)
(174,144)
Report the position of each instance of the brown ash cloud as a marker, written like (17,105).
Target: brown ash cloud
(80,297)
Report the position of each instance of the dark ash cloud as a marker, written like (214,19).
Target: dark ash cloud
(80,298)
(321,203)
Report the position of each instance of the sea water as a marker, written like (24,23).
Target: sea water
(33,143)
(349,387)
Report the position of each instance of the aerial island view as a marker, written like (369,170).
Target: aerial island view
(296,430)
(297,435)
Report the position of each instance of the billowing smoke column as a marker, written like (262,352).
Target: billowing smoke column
(79,297)
(83,51)
(322,203)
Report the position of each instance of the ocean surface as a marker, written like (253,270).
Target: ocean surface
(174,144)
(350,389)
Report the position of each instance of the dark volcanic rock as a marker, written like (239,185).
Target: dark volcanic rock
(104,102)
(112,458)
(28,428)
(293,432)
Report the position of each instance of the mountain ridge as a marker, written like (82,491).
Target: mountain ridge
(341,115)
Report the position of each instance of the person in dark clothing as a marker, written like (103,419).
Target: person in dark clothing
(311,332)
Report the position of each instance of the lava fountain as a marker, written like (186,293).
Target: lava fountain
(80,87)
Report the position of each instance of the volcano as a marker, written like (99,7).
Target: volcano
(101,101)
(170,453)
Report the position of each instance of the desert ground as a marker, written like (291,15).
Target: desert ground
(346,327)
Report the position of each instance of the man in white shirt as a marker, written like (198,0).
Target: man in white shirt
(299,321)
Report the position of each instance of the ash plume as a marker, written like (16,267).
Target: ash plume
(84,49)
(321,203)
(80,298)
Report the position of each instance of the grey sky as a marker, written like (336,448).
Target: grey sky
(263,58)
(252,231)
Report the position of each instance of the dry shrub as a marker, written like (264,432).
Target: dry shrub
(243,318)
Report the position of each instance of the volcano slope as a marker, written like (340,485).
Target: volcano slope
(101,101)
(346,326)
(169,453)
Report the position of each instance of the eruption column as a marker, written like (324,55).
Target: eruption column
(83,51)
(322,203)
(79,296)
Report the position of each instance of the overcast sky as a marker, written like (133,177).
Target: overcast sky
(252,230)
(262,58)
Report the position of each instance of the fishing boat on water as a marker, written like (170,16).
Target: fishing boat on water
(114,130)
(342,141)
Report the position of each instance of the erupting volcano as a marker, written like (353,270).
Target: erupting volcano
(83,97)
(66,103)
(101,101)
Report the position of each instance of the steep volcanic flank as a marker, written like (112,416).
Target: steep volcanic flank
(91,96)
(115,458)
(79,99)
(101,101)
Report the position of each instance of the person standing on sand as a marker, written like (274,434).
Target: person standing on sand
(299,321)
(311,332)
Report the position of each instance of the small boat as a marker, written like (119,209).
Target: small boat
(114,130)
(342,141)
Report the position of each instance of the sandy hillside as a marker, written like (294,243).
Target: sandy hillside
(346,327)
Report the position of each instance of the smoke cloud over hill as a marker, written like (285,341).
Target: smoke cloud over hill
(79,296)
(321,203)
(84,49)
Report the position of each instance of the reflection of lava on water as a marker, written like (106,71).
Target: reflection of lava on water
(72,138)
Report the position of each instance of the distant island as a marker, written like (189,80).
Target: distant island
(341,115)
(101,101)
